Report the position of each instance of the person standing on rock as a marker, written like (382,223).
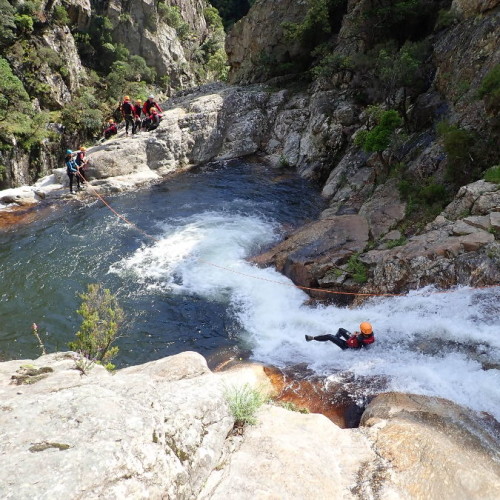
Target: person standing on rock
(346,340)
(127,111)
(137,110)
(81,163)
(150,103)
(71,170)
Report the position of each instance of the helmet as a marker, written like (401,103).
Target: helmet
(83,148)
(366,328)
(153,110)
(126,98)
(68,152)
(138,101)
(151,96)
(111,120)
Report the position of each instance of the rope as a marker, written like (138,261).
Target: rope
(310,289)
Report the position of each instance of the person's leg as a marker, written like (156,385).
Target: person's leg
(332,338)
(342,332)
(70,182)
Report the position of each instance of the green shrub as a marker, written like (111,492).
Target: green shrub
(212,18)
(288,405)
(490,89)
(24,23)
(217,65)
(244,402)
(396,243)
(7,24)
(329,63)
(357,269)
(458,144)
(433,192)
(316,27)
(171,14)
(60,15)
(101,316)
(84,113)
(379,137)
(445,19)
(493,174)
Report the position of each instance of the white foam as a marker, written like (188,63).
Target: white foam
(427,343)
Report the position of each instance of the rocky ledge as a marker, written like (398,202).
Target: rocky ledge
(164,430)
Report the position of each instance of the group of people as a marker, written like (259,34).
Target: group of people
(76,164)
(137,117)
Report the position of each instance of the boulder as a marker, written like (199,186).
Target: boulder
(150,431)
(473,7)
(254,49)
(436,448)
(384,209)
(477,198)
(311,252)
(291,455)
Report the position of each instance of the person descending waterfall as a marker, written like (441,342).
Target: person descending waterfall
(346,340)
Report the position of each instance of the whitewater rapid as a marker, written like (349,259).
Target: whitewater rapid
(445,345)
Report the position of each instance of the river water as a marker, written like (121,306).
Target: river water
(192,289)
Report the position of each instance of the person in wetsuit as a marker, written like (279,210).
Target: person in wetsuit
(346,340)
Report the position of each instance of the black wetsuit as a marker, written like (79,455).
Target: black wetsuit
(346,340)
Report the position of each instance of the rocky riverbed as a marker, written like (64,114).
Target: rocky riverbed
(164,430)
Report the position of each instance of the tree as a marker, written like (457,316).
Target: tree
(378,139)
(7,25)
(102,317)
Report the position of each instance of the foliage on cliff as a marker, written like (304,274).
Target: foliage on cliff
(232,10)
(44,79)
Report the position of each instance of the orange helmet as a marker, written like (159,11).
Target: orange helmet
(111,120)
(153,110)
(138,101)
(83,148)
(366,328)
(126,98)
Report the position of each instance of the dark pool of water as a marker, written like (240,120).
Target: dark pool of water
(46,264)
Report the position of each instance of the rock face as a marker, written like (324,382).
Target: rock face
(163,430)
(474,7)
(139,27)
(291,455)
(251,44)
(436,449)
(153,431)
(309,255)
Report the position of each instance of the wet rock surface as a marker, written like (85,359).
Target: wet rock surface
(164,430)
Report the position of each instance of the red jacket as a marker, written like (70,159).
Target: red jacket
(137,110)
(357,341)
(150,104)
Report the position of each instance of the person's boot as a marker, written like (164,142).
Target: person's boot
(309,338)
